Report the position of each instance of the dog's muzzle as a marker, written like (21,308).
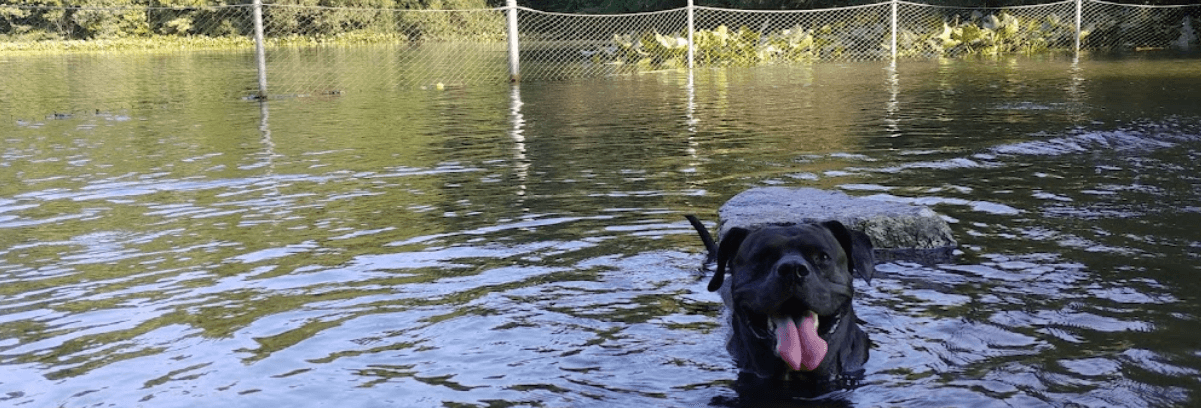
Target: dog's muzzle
(797,329)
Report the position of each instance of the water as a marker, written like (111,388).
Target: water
(165,244)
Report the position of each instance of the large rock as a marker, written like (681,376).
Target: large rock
(898,231)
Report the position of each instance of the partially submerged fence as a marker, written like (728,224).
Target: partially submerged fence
(299,48)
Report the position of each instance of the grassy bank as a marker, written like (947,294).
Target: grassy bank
(30,26)
(170,43)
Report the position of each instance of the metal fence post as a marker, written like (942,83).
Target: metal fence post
(1079,4)
(514,59)
(260,53)
(691,29)
(894,31)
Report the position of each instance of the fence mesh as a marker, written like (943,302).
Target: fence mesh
(561,46)
(310,50)
(928,31)
(1128,27)
(336,50)
(739,37)
(314,50)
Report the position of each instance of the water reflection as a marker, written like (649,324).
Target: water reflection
(892,108)
(268,154)
(520,163)
(524,245)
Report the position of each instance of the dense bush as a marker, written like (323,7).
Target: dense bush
(991,34)
(980,34)
(95,19)
(719,46)
(33,20)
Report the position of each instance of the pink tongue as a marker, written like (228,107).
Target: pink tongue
(800,347)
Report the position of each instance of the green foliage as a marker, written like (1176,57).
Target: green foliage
(433,24)
(992,34)
(313,18)
(719,46)
(286,22)
(154,43)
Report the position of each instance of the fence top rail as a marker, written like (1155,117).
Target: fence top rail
(1028,6)
(1144,5)
(862,6)
(114,8)
(502,8)
(646,13)
(301,6)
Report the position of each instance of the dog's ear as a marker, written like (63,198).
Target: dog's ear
(725,254)
(858,248)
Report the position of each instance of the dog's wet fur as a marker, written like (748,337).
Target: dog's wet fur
(786,271)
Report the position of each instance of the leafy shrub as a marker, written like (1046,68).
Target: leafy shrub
(992,34)
(719,46)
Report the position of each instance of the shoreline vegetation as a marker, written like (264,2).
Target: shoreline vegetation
(30,27)
(53,26)
(171,43)
(977,35)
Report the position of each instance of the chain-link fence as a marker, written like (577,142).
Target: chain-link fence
(925,31)
(562,46)
(390,49)
(738,37)
(314,50)
(310,50)
(1131,27)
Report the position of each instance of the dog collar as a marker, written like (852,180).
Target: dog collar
(846,380)
(837,320)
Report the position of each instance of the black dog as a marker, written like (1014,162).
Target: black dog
(789,302)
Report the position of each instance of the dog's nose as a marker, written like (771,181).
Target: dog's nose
(793,268)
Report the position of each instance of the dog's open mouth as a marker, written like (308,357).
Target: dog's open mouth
(798,333)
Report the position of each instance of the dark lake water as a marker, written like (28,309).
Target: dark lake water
(164,243)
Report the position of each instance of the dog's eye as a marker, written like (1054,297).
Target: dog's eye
(823,257)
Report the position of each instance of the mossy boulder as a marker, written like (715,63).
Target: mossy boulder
(898,231)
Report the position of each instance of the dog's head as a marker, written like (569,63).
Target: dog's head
(790,293)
